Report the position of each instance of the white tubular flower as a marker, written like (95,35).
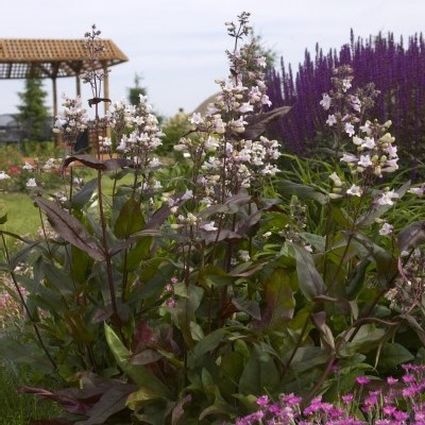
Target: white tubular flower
(27,166)
(244,256)
(369,143)
(387,198)
(418,191)
(246,107)
(354,191)
(196,118)
(346,84)
(4,176)
(349,129)
(386,229)
(326,101)
(209,227)
(365,161)
(187,195)
(335,179)
(331,121)
(31,183)
(349,158)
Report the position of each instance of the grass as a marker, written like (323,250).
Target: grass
(19,409)
(23,218)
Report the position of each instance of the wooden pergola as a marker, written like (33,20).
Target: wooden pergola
(44,58)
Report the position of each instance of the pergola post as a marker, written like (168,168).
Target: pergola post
(106,94)
(55,107)
(78,84)
(106,87)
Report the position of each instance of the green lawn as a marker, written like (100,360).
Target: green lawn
(19,409)
(23,218)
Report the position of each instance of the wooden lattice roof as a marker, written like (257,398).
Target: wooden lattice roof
(22,58)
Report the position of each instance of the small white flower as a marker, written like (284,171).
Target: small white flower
(418,191)
(209,227)
(191,219)
(335,179)
(346,84)
(365,161)
(349,129)
(246,107)
(187,195)
(244,256)
(369,143)
(326,101)
(387,198)
(331,120)
(386,229)
(349,158)
(4,176)
(355,191)
(196,118)
(31,183)
(27,166)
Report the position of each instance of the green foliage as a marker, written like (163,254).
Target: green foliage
(33,113)
(136,91)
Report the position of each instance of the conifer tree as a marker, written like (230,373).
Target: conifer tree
(33,113)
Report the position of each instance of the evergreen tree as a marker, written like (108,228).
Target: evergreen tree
(33,113)
(136,91)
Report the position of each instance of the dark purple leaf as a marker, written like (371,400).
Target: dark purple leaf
(97,164)
(69,228)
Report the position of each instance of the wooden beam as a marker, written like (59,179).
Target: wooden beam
(55,107)
(78,84)
(106,87)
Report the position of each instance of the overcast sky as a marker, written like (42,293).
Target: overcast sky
(178,45)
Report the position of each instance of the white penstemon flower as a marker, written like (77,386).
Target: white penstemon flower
(387,197)
(4,176)
(27,167)
(326,101)
(244,255)
(209,227)
(386,229)
(31,183)
(355,191)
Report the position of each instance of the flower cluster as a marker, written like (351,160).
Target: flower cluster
(399,403)
(72,120)
(226,159)
(345,107)
(137,131)
(376,153)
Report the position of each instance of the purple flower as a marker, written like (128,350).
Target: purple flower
(362,380)
(263,401)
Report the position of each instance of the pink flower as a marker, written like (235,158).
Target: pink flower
(362,380)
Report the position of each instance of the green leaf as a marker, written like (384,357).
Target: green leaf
(206,345)
(83,196)
(309,279)
(249,307)
(288,188)
(149,383)
(69,228)
(393,355)
(260,374)
(112,402)
(412,236)
(279,297)
(3,218)
(130,219)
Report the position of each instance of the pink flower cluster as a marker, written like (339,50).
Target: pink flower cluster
(396,402)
